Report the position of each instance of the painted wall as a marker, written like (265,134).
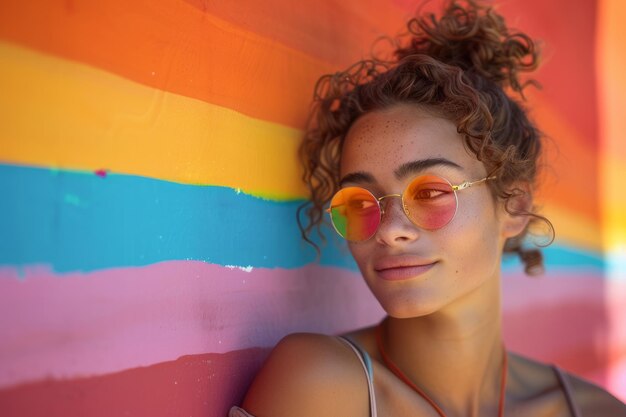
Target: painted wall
(149,255)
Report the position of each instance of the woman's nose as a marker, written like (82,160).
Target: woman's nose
(395,227)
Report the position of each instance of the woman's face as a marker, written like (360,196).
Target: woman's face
(412,271)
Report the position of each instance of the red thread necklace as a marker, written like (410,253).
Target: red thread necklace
(392,366)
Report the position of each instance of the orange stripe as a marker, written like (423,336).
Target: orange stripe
(174,46)
(567,50)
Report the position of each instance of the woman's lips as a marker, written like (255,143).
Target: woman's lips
(401,268)
(404,272)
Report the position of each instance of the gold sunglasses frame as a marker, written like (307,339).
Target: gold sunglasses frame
(462,186)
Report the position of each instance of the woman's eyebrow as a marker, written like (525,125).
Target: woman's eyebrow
(357,177)
(414,167)
(403,171)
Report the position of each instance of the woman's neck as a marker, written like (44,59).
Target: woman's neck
(455,355)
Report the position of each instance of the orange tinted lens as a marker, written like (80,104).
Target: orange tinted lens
(355,213)
(430,202)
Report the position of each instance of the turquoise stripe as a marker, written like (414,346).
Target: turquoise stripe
(80,221)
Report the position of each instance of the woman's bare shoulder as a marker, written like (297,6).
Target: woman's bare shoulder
(309,374)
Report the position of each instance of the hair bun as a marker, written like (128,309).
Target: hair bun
(474,38)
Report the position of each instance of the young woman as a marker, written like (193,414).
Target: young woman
(427,167)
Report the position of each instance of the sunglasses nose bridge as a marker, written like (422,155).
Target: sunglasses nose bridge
(380,199)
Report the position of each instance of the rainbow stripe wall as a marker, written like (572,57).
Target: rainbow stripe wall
(149,256)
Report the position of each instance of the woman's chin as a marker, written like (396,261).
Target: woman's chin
(406,309)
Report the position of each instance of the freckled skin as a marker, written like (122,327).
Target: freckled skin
(467,250)
(444,329)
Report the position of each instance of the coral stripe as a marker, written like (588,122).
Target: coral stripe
(106,321)
(567,71)
(315,25)
(563,182)
(205,385)
(193,385)
(89,119)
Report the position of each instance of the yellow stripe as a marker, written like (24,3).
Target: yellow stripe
(615,202)
(574,228)
(614,231)
(64,114)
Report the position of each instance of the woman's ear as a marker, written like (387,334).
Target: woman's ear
(516,208)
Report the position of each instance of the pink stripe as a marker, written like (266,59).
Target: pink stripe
(616,310)
(552,287)
(89,324)
(105,321)
(574,321)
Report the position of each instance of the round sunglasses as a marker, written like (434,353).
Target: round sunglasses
(429,201)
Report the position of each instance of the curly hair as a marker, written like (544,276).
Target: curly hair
(461,65)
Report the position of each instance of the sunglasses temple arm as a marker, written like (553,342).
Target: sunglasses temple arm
(467,184)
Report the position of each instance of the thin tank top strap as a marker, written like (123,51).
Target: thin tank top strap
(567,390)
(366,362)
(238,412)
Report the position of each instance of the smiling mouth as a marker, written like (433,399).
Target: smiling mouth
(400,273)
